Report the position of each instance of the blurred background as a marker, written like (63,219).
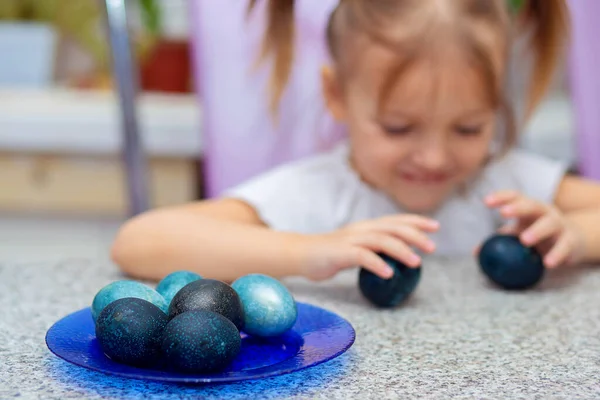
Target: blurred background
(63,184)
(201,116)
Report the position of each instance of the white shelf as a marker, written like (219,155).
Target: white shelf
(70,121)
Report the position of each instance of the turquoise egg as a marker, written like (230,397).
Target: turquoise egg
(269,307)
(172,283)
(126,288)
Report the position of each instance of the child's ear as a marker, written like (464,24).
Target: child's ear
(333,93)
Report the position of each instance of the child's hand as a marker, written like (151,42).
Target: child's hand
(541,225)
(358,243)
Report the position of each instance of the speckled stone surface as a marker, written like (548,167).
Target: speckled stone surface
(457,337)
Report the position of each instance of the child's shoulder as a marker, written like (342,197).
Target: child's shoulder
(326,168)
(303,195)
(531,173)
(332,161)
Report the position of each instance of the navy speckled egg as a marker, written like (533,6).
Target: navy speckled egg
(200,341)
(509,263)
(269,307)
(130,331)
(209,295)
(388,293)
(172,283)
(126,288)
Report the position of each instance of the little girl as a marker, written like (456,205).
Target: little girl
(429,165)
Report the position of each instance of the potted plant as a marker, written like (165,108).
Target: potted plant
(166,65)
(31,29)
(27,46)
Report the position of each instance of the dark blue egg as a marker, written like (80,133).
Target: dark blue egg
(172,283)
(269,307)
(209,295)
(130,331)
(389,292)
(126,288)
(510,264)
(200,341)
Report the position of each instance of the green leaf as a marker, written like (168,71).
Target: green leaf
(516,6)
(150,11)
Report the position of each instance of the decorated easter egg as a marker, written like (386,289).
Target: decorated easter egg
(130,331)
(200,341)
(269,307)
(209,295)
(172,283)
(510,264)
(126,288)
(388,293)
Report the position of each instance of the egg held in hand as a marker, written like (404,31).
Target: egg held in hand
(387,293)
(510,264)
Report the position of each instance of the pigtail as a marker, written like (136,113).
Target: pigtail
(279,44)
(549,24)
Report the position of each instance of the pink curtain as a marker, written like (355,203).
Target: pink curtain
(240,139)
(585,83)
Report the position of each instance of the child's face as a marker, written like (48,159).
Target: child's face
(433,132)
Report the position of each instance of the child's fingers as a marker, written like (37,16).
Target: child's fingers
(559,253)
(501,197)
(523,207)
(411,236)
(418,221)
(391,246)
(370,261)
(509,229)
(542,229)
(423,223)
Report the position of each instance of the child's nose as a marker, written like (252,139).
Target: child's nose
(432,156)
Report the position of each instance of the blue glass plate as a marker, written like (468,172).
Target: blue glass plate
(318,336)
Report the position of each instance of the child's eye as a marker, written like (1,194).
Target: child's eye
(469,130)
(398,130)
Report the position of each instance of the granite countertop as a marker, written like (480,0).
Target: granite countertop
(456,338)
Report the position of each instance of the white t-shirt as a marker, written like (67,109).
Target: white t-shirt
(323,193)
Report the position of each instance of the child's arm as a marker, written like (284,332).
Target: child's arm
(225,239)
(579,200)
(219,239)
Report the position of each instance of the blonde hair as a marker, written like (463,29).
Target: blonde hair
(546,21)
